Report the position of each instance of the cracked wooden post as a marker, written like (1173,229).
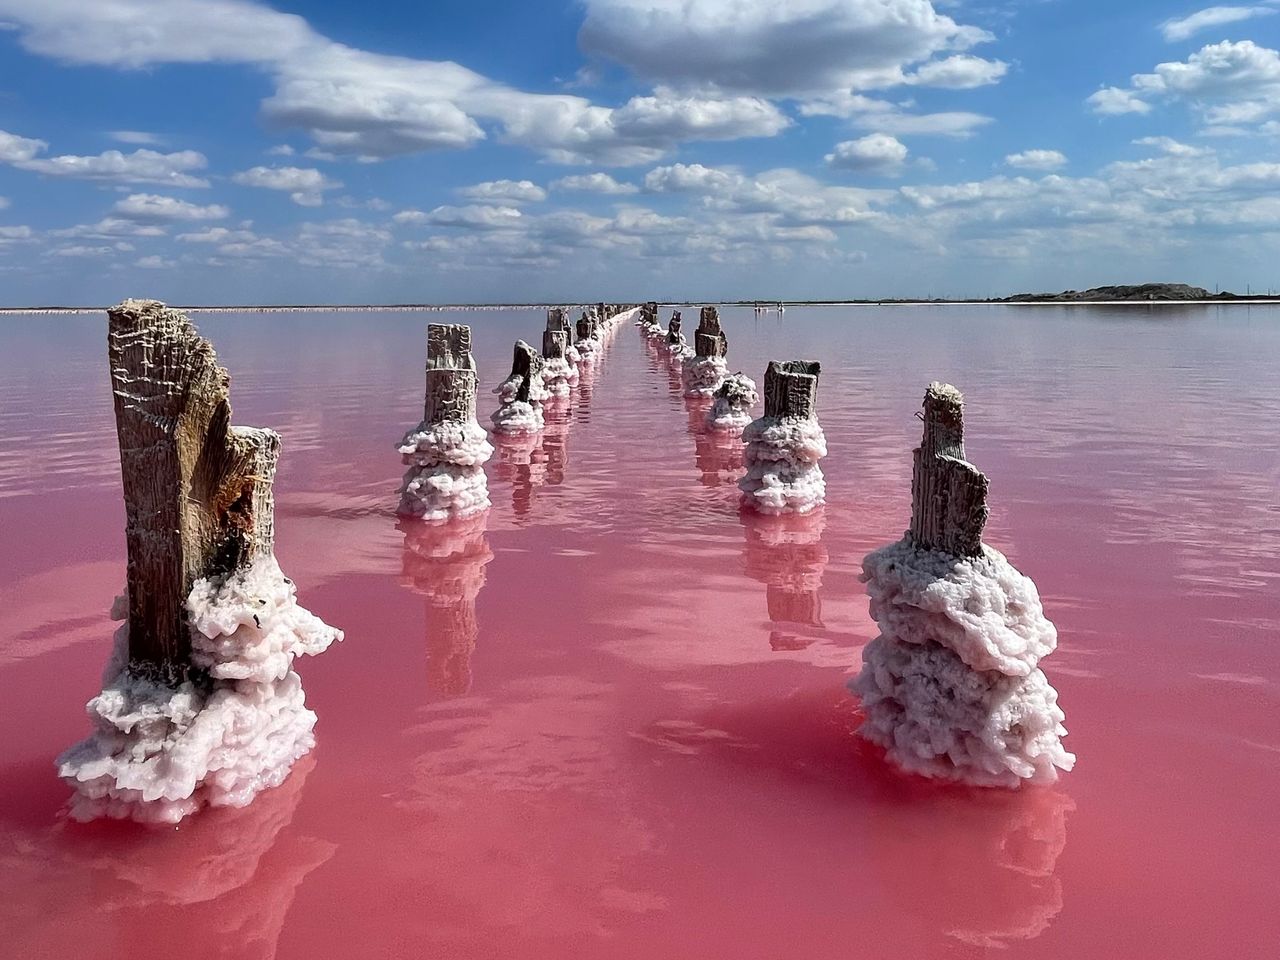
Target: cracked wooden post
(948,494)
(675,341)
(791,389)
(451,374)
(785,445)
(709,340)
(197,490)
(520,396)
(445,455)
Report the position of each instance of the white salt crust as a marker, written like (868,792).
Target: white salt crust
(159,753)
(446,474)
(589,350)
(517,416)
(559,376)
(731,411)
(937,718)
(702,375)
(951,687)
(783,476)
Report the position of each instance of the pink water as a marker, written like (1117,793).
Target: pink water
(615,724)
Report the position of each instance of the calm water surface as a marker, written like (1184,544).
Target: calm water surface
(609,719)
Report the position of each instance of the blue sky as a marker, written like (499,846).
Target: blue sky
(227,151)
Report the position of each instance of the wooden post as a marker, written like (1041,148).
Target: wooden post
(674,334)
(791,389)
(710,341)
(451,374)
(586,327)
(197,490)
(554,344)
(948,494)
(526,364)
(557,319)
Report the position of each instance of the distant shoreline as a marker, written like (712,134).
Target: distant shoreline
(770,304)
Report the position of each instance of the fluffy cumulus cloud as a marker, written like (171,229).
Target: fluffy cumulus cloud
(1182,28)
(305,186)
(1232,84)
(874,153)
(505,192)
(111,166)
(1036,160)
(798,49)
(151,208)
(961,72)
(594,183)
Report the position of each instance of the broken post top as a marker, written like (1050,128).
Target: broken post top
(948,494)
(791,389)
(197,490)
(586,326)
(451,374)
(526,364)
(709,340)
(673,326)
(449,347)
(558,319)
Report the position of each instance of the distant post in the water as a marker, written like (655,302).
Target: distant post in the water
(200,702)
(703,372)
(520,396)
(588,343)
(649,324)
(446,453)
(558,372)
(785,445)
(675,341)
(951,687)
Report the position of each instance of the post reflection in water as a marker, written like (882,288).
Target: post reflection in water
(522,462)
(555,437)
(718,454)
(231,873)
(787,555)
(445,563)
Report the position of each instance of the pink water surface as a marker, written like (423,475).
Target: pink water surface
(609,719)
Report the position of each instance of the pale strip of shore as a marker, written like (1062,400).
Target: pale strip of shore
(771,307)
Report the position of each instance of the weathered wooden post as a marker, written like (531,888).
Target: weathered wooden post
(447,452)
(951,686)
(588,343)
(520,396)
(558,371)
(200,703)
(703,371)
(649,324)
(445,564)
(675,343)
(785,445)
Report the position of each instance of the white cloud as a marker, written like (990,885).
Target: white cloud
(1172,147)
(137,138)
(305,185)
(1036,160)
(80,250)
(474,217)
(112,166)
(883,116)
(281,150)
(795,49)
(15,233)
(874,153)
(218,235)
(154,262)
(960,72)
(594,183)
(1230,84)
(505,191)
(1185,27)
(150,208)
(668,117)
(16,149)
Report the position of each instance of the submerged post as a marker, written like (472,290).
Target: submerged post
(520,396)
(200,702)
(446,453)
(951,687)
(948,494)
(558,373)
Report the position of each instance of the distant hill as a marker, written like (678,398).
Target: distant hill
(1144,291)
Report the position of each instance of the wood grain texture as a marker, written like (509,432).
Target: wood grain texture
(948,494)
(451,374)
(198,500)
(709,339)
(791,389)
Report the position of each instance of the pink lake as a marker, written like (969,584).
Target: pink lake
(615,724)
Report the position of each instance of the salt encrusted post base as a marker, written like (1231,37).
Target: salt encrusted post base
(951,687)
(559,370)
(521,395)
(674,342)
(785,445)
(703,372)
(200,704)
(446,454)
(731,405)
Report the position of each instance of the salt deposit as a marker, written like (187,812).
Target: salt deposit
(785,445)
(731,410)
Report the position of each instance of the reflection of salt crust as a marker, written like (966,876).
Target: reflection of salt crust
(731,411)
(158,752)
(445,476)
(951,688)
(702,375)
(781,458)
